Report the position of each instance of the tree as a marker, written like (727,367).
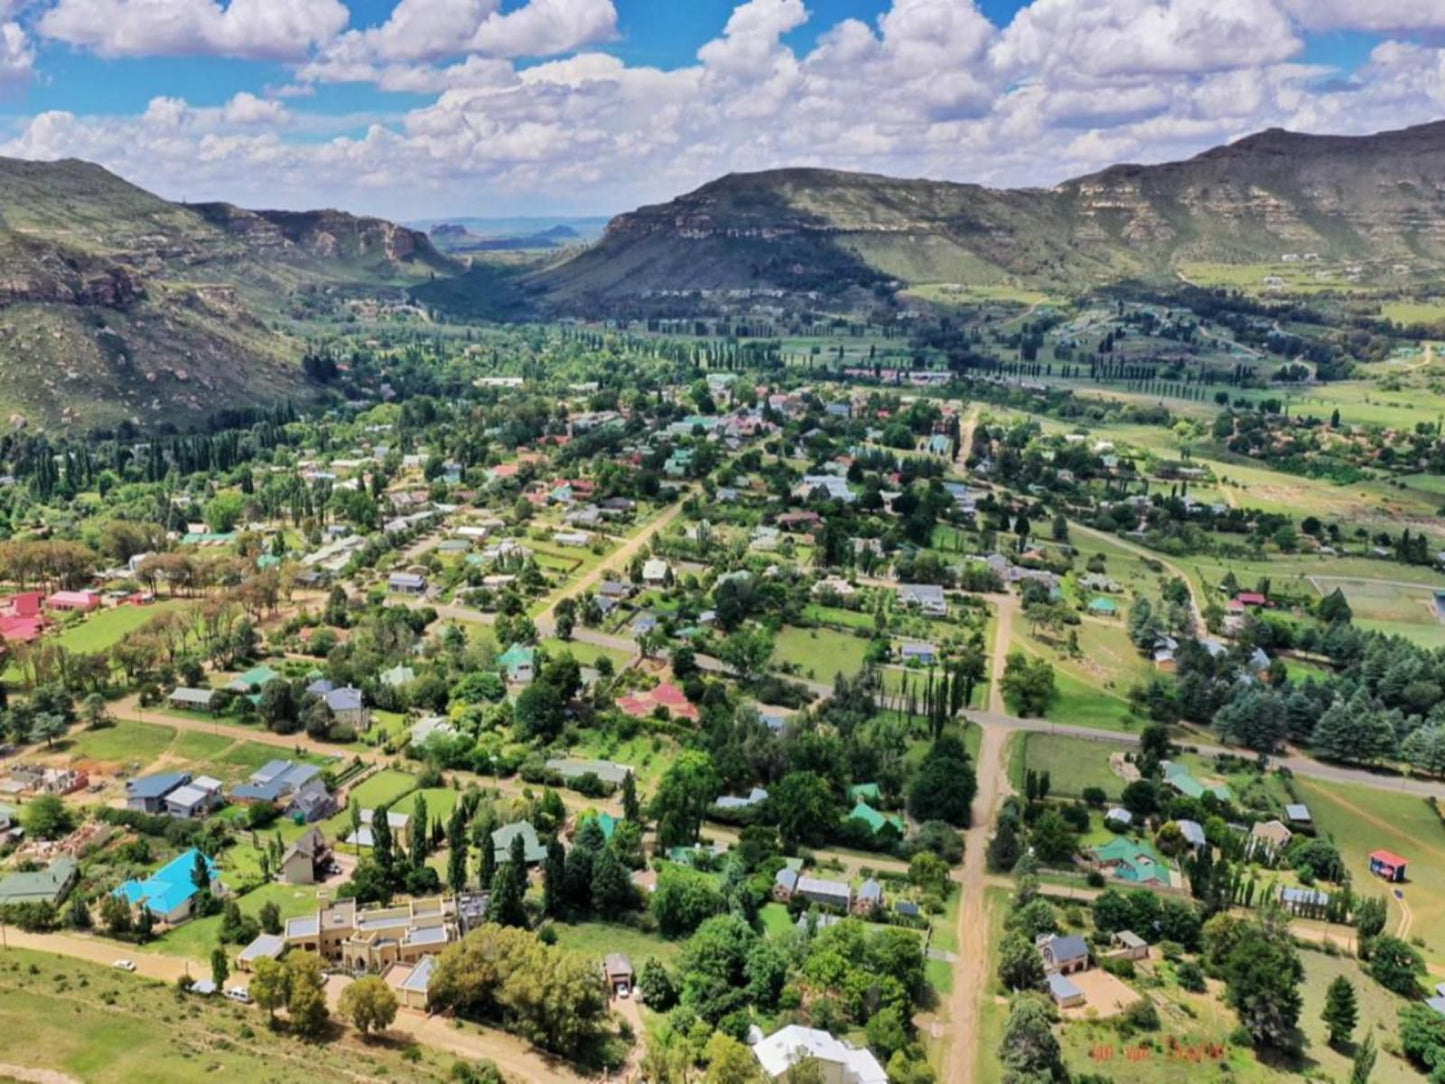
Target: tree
(420,838)
(1053,841)
(804,807)
(270,985)
(1020,967)
(566,618)
(507,906)
(1028,684)
(369,1004)
(115,914)
(540,711)
(1370,916)
(730,1062)
(1340,1012)
(220,967)
(1364,1061)
(631,806)
(612,891)
(1262,973)
(684,794)
(683,899)
(554,874)
(747,651)
(94,712)
(270,917)
(456,850)
(306,994)
(47,726)
(47,817)
(1029,1050)
(1396,965)
(944,786)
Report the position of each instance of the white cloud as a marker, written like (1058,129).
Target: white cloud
(247,109)
(930,88)
(17,54)
(256,29)
(1384,16)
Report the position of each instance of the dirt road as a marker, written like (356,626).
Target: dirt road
(1006,606)
(970,973)
(620,558)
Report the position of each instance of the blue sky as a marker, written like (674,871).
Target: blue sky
(421,108)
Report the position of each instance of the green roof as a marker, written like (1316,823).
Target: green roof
(42,886)
(256,677)
(1133,861)
(874,819)
(398,675)
(864,792)
(1177,776)
(532,848)
(607,822)
(516,655)
(1103,606)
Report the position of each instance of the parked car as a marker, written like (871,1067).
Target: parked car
(124,965)
(238,993)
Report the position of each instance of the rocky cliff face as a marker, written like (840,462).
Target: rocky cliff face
(331,236)
(1373,197)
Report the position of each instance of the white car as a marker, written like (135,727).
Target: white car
(124,965)
(624,991)
(238,993)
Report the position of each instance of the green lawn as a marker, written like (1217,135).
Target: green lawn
(1072,763)
(197,938)
(820,653)
(197,745)
(1080,704)
(126,742)
(597,939)
(777,923)
(586,654)
(1362,819)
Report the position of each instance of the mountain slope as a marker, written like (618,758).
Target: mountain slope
(1380,196)
(117,305)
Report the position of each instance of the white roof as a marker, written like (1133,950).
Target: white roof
(787,1046)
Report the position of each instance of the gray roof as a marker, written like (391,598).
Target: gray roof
(187,695)
(156,786)
(1062,987)
(1067,947)
(267,945)
(1193,832)
(871,891)
(788,878)
(1297,812)
(348,699)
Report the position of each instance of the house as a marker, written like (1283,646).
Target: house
(615,590)
(348,707)
(305,858)
(923,654)
(169,892)
(1298,814)
(195,799)
(927,598)
(267,946)
(873,819)
(1064,954)
(907,908)
(519,663)
(20,630)
(1129,946)
(148,793)
(253,680)
(1065,993)
(80,601)
(397,677)
(187,699)
(1308,902)
(299,786)
(406,583)
(533,849)
(1251,598)
(1132,861)
(789,883)
(362,938)
(641,703)
(1177,777)
(756,796)
(1272,836)
(398,823)
(655,571)
(423,729)
(869,898)
(1193,833)
(1102,606)
(605,770)
(839,1061)
(1119,816)
(50,885)
(617,969)
(410,982)
(1388,865)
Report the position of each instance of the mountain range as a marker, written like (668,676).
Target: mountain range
(117,305)
(1371,197)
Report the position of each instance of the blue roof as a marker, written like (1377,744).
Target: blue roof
(156,786)
(169,887)
(275,778)
(347,699)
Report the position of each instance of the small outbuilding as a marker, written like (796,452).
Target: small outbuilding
(618,970)
(1388,865)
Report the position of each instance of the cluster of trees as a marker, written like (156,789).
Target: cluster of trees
(508,976)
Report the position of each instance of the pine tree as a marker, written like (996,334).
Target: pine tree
(631,806)
(554,876)
(456,852)
(1340,1013)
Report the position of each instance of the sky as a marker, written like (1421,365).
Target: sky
(421,109)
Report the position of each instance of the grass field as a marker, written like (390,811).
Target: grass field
(1361,820)
(820,653)
(96,1024)
(1080,704)
(126,742)
(585,654)
(1072,763)
(597,939)
(197,938)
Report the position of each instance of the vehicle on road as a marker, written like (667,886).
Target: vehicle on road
(124,965)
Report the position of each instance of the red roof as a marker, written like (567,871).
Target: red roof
(1387,858)
(20,630)
(1250,598)
(26,604)
(640,704)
